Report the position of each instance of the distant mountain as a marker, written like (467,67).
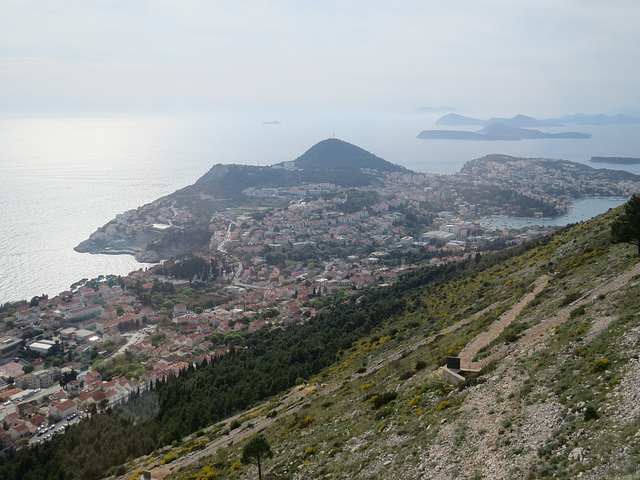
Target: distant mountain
(455,120)
(335,154)
(517,121)
(524,121)
(500,131)
(497,131)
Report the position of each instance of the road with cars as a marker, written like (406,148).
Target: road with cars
(47,431)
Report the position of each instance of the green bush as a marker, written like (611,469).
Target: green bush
(600,365)
(590,413)
(577,312)
(383,399)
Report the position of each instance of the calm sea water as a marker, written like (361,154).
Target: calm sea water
(580,211)
(61,178)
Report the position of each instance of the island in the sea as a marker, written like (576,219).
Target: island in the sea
(616,160)
(497,131)
(453,119)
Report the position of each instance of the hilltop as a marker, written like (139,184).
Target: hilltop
(335,154)
(317,164)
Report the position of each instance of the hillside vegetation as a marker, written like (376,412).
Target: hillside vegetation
(558,399)
(556,396)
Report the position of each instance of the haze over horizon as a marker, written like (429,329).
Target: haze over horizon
(496,57)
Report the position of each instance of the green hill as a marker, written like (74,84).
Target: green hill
(331,161)
(335,154)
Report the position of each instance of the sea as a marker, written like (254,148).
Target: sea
(63,177)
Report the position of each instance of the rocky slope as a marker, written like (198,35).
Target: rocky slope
(557,395)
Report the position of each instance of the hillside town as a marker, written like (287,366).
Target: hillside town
(85,349)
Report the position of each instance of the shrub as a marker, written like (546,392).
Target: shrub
(420,365)
(577,312)
(569,299)
(383,399)
(406,375)
(590,413)
(600,365)
(169,458)
(444,404)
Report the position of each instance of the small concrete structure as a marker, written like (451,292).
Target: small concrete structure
(453,363)
(452,372)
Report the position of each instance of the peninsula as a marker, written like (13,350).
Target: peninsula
(339,196)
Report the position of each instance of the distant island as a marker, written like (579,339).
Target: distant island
(455,120)
(497,131)
(616,160)
(520,121)
(272,122)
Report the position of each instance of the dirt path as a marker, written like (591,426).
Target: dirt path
(539,332)
(485,338)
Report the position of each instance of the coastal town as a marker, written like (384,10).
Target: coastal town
(88,348)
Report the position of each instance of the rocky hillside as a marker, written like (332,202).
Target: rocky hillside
(552,330)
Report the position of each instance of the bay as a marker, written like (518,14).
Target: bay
(580,211)
(62,178)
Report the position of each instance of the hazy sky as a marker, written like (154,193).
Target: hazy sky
(498,56)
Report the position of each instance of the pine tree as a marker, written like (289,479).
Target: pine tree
(256,449)
(626,228)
